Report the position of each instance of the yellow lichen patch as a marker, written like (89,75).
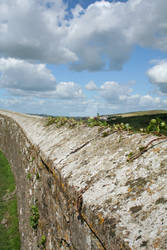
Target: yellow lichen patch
(101,219)
(156,150)
(62,185)
(66,237)
(99,246)
(33,170)
(58,228)
(122,247)
(55,176)
(156,243)
(149,191)
(41,164)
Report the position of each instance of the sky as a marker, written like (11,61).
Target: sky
(81,57)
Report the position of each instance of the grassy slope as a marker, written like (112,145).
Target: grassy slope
(9,236)
(138,119)
(141,113)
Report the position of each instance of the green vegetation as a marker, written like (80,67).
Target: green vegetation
(96,121)
(106,133)
(139,121)
(9,231)
(62,121)
(37,176)
(147,122)
(130,156)
(43,240)
(29,176)
(154,122)
(157,126)
(122,126)
(34,217)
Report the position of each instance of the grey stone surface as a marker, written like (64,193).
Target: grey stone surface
(124,204)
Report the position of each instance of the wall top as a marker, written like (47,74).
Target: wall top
(132,194)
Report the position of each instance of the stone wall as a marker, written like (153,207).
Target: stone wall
(87,195)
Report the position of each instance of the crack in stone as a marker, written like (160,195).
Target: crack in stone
(79,148)
(46,166)
(94,233)
(76,150)
(79,204)
(81,217)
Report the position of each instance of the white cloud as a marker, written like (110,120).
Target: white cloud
(114,92)
(102,34)
(31,104)
(23,78)
(158,75)
(115,97)
(91,85)
(68,90)
(67,99)
(34,31)
(120,98)
(148,100)
(115,28)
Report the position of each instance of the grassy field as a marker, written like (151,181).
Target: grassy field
(141,113)
(138,120)
(9,233)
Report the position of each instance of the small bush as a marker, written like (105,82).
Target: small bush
(43,240)
(92,122)
(34,217)
(62,121)
(50,121)
(157,126)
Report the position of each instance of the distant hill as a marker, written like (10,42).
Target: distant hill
(141,113)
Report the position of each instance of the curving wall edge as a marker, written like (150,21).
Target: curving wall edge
(88,196)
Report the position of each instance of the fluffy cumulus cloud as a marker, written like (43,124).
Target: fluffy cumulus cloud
(23,78)
(68,90)
(91,85)
(19,75)
(31,29)
(115,28)
(102,35)
(114,93)
(114,97)
(158,75)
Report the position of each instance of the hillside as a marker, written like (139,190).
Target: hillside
(137,120)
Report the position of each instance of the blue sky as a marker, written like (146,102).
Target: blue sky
(80,57)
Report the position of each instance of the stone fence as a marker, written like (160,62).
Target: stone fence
(76,188)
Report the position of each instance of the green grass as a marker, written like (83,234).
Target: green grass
(9,234)
(137,121)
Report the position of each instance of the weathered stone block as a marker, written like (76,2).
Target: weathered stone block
(87,194)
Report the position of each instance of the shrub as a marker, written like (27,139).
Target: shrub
(157,126)
(34,217)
